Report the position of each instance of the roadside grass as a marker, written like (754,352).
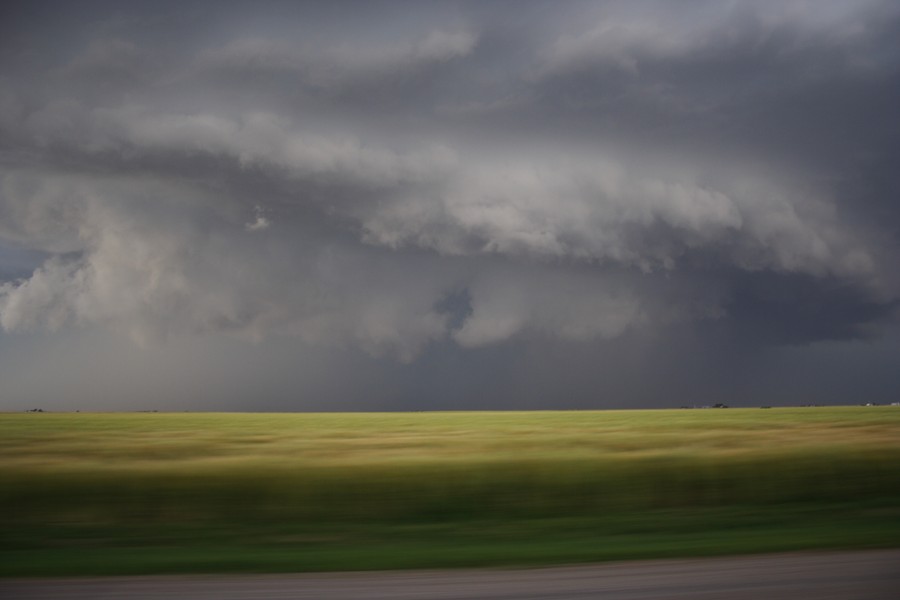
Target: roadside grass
(297,547)
(205,492)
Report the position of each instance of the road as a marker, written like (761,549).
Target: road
(867,575)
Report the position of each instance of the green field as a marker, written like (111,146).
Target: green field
(204,492)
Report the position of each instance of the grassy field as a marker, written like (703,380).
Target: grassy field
(194,492)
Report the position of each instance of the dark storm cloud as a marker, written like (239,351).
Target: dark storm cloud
(432,180)
(777,309)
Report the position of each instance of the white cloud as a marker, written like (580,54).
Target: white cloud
(260,224)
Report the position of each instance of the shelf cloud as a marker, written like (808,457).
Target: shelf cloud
(421,184)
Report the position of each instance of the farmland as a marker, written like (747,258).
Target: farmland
(146,492)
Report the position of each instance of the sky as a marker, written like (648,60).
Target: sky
(298,206)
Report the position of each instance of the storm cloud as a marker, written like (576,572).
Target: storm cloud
(452,192)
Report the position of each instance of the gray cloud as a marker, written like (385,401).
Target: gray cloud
(332,66)
(453,180)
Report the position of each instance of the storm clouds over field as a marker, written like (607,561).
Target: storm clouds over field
(452,205)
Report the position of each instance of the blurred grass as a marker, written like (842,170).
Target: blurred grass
(347,486)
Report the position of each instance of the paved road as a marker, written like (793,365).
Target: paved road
(869,575)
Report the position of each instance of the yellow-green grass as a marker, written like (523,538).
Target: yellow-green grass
(339,483)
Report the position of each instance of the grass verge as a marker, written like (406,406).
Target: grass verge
(59,550)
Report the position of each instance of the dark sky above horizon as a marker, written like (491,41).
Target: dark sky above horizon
(450,205)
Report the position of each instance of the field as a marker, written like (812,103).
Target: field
(206,492)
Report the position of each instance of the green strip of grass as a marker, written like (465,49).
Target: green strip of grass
(291,547)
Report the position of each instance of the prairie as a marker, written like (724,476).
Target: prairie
(166,492)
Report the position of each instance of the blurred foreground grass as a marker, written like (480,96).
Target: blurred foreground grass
(146,492)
